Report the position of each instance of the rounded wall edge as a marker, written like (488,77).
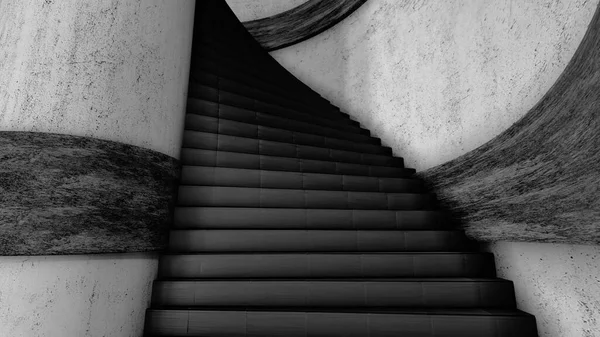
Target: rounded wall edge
(114,71)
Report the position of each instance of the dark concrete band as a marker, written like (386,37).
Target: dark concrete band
(62,194)
(540,179)
(300,23)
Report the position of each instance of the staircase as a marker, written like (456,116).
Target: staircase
(292,220)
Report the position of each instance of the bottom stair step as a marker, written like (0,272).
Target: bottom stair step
(415,293)
(278,322)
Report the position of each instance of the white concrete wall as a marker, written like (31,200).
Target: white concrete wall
(248,10)
(83,296)
(436,79)
(560,284)
(113,70)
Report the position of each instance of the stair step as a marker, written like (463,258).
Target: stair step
(255,116)
(276,322)
(293,218)
(242,104)
(316,265)
(290,240)
(201,123)
(255,89)
(218,196)
(218,142)
(198,157)
(316,293)
(225,67)
(265,70)
(233,177)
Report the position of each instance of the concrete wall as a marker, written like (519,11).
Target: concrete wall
(114,70)
(248,10)
(559,284)
(87,296)
(436,79)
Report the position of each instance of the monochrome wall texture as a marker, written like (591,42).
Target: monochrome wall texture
(63,194)
(539,180)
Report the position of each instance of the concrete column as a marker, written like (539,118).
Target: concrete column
(114,70)
(111,70)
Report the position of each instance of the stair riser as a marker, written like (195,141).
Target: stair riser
(217,142)
(315,294)
(217,196)
(218,176)
(201,123)
(299,324)
(192,241)
(196,157)
(207,108)
(326,265)
(282,218)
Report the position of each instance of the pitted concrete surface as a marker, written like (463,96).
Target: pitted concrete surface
(113,70)
(437,79)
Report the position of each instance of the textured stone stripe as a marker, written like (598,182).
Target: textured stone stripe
(300,23)
(540,179)
(63,194)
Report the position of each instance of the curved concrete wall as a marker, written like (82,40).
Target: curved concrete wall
(436,79)
(248,10)
(64,194)
(55,296)
(300,23)
(115,71)
(111,70)
(559,284)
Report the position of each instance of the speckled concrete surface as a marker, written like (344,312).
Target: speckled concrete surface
(64,194)
(300,23)
(248,10)
(115,70)
(75,296)
(539,180)
(436,79)
(559,284)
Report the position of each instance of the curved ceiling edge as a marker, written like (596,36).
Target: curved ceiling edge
(538,180)
(300,23)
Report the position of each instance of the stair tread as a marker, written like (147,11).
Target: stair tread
(328,253)
(256,178)
(206,107)
(189,156)
(349,279)
(249,85)
(243,171)
(249,104)
(225,66)
(239,144)
(398,310)
(299,198)
(203,123)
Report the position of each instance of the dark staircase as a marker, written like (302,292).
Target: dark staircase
(292,220)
